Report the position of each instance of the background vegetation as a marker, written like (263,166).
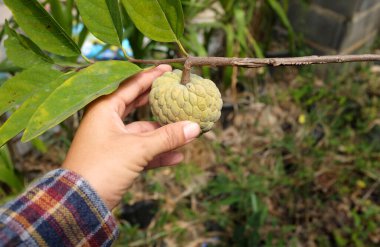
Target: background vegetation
(294,160)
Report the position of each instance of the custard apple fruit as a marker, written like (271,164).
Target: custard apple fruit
(198,101)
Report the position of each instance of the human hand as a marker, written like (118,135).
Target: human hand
(109,154)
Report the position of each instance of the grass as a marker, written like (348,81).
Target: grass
(301,169)
(297,164)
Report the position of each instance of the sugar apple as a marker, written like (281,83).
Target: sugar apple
(198,101)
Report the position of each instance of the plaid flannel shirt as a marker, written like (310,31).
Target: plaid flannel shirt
(61,209)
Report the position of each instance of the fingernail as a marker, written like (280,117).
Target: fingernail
(191,131)
(177,157)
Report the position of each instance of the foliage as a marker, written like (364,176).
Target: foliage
(309,175)
(8,175)
(302,170)
(103,19)
(50,47)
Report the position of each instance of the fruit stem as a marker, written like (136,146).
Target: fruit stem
(186,72)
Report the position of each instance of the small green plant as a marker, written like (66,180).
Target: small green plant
(8,176)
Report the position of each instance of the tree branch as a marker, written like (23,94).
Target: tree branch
(262,62)
(189,62)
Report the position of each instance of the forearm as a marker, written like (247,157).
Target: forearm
(61,209)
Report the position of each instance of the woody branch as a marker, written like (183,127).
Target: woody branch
(190,62)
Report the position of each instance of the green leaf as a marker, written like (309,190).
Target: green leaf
(20,118)
(82,36)
(42,28)
(68,9)
(160,20)
(9,177)
(40,145)
(281,13)
(227,4)
(241,25)
(103,19)
(59,14)
(2,33)
(22,51)
(20,87)
(230,38)
(256,47)
(6,66)
(5,158)
(197,47)
(98,79)
(7,173)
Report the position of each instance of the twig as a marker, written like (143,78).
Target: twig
(261,62)
(189,62)
(371,190)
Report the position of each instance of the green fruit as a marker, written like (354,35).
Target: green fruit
(198,101)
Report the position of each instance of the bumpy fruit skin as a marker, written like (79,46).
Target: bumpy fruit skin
(198,101)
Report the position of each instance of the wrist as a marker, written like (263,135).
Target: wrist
(93,183)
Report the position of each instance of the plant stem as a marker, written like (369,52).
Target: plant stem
(125,54)
(86,59)
(262,62)
(182,49)
(257,62)
(189,62)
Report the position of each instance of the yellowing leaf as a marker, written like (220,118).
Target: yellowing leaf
(20,118)
(20,87)
(98,79)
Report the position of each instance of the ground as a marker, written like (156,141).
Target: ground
(294,161)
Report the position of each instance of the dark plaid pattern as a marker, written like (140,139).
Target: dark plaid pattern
(61,209)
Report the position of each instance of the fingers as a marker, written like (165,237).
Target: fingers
(141,127)
(170,137)
(131,94)
(140,101)
(139,84)
(165,159)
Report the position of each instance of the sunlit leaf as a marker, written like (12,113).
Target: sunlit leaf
(103,19)
(20,87)
(160,20)
(22,51)
(20,118)
(98,79)
(42,28)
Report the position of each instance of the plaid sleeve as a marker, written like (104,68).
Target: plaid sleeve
(61,209)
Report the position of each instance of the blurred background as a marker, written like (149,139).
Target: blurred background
(295,157)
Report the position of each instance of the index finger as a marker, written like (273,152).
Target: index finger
(122,99)
(138,84)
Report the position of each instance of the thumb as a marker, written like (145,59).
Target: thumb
(172,136)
